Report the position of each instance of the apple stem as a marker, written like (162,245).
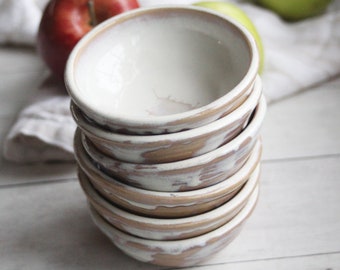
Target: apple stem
(93,19)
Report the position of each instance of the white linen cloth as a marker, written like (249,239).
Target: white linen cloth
(297,56)
(44,129)
(19,20)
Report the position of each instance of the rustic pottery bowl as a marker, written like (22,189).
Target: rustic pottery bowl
(177,253)
(166,204)
(150,149)
(189,174)
(165,228)
(130,77)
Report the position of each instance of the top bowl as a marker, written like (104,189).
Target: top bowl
(162,70)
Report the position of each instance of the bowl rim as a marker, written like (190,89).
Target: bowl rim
(152,174)
(238,219)
(226,207)
(172,119)
(251,129)
(95,130)
(172,196)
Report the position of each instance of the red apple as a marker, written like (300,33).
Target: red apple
(65,22)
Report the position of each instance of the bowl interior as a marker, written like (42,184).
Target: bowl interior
(159,62)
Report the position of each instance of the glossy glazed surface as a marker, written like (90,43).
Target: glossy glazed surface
(174,146)
(172,228)
(118,81)
(166,204)
(185,252)
(189,174)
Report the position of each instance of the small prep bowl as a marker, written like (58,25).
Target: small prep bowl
(162,69)
(189,174)
(166,228)
(177,253)
(166,204)
(151,149)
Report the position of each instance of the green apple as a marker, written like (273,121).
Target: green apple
(238,14)
(293,10)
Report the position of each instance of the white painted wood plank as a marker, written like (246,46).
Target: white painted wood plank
(13,174)
(297,213)
(49,227)
(304,125)
(21,72)
(16,59)
(16,89)
(313,262)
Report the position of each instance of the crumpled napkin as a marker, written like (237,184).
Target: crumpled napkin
(19,20)
(44,129)
(297,56)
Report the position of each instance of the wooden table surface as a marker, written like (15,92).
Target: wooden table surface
(45,224)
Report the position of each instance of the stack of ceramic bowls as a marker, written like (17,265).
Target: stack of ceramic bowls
(169,109)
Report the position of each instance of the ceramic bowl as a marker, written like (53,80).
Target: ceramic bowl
(166,204)
(165,228)
(130,77)
(150,149)
(177,253)
(189,174)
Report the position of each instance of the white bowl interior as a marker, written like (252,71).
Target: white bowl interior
(155,64)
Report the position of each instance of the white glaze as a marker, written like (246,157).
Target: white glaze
(146,68)
(212,166)
(146,250)
(145,149)
(191,196)
(148,201)
(176,228)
